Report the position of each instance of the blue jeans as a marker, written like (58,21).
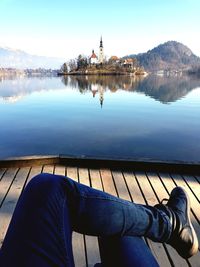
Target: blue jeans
(51,207)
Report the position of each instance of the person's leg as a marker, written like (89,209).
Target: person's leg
(52,206)
(125,251)
(40,231)
(39,228)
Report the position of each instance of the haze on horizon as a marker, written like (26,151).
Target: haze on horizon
(67,28)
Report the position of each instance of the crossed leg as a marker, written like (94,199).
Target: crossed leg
(51,207)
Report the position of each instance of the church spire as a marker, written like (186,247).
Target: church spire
(101,53)
(101,42)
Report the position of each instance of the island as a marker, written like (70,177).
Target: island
(100,65)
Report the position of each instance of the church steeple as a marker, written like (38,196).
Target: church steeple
(101,42)
(101,54)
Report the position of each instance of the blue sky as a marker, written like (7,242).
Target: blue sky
(65,28)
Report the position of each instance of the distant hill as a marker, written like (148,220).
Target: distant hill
(10,58)
(171,55)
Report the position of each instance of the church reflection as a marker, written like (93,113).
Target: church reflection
(163,89)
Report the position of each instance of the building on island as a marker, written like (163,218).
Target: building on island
(93,58)
(114,60)
(101,52)
(128,63)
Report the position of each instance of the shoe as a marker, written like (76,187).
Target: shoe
(183,237)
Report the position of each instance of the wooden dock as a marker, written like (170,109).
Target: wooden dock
(144,187)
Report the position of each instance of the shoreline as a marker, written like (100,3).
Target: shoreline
(86,73)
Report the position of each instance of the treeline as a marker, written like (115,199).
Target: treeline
(194,71)
(113,63)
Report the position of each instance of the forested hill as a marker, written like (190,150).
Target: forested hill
(171,55)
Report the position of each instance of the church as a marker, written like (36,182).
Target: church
(100,59)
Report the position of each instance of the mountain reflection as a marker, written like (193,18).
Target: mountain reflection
(163,89)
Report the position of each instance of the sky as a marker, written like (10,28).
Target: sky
(66,29)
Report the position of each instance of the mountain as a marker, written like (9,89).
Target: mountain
(171,55)
(10,58)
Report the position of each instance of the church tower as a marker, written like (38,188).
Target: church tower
(101,54)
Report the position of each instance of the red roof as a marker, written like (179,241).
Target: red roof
(93,55)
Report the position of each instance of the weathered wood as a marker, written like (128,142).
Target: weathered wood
(193,185)
(95,179)
(34,171)
(136,164)
(198,178)
(88,162)
(6,182)
(48,169)
(11,199)
(2,171)
(107,181)
(92,246)
(29,161)
(78,243)
(72,173)
(60,170)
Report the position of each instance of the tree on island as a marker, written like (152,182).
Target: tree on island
(72,64)
(82,62)
(64,68)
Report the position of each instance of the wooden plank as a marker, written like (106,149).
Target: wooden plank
(34,171)
(107,181)
(2,171)
(78,243)
(120,185)
(92,246)
(6,182)
(95,179)
(72,173)
(198,178)
(151,200)
(161,193)
(48,169)
(10,202)
(193,185)
(170,184)
(60,170)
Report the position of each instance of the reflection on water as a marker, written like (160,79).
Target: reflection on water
(101,116)
(14,88)
(164,89)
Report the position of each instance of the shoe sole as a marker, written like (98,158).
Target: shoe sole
(194,248)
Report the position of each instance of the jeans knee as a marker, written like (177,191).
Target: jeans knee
(44,182)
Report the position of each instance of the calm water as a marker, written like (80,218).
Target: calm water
(119,117)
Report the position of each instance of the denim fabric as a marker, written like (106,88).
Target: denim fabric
(126,251)
(52,206)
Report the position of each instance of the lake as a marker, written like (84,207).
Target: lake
(155,117)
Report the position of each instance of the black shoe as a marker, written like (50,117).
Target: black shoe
(183,237)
